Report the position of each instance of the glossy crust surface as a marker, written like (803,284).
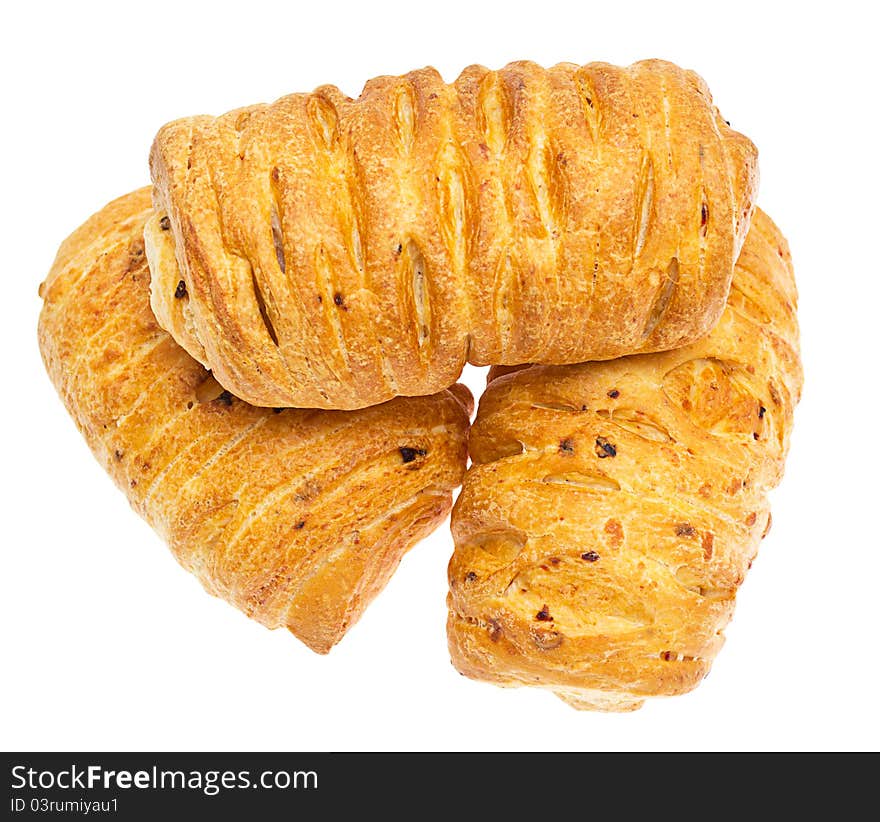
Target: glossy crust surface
(298,518)
(322,251)
(614,508)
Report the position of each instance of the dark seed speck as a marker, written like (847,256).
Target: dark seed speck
(604,448)
(544,615)
(410,454)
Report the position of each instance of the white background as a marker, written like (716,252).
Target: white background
(108,644)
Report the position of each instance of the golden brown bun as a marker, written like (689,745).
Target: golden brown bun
(328,252)
(614,508)
(298,518)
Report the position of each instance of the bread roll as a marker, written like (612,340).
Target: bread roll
(296,517)
(614,508)
(326,252)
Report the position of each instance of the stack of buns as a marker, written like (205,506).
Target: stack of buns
(262,350)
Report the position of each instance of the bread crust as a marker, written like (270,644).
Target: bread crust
(298,518)
(613,509)
(338,252)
